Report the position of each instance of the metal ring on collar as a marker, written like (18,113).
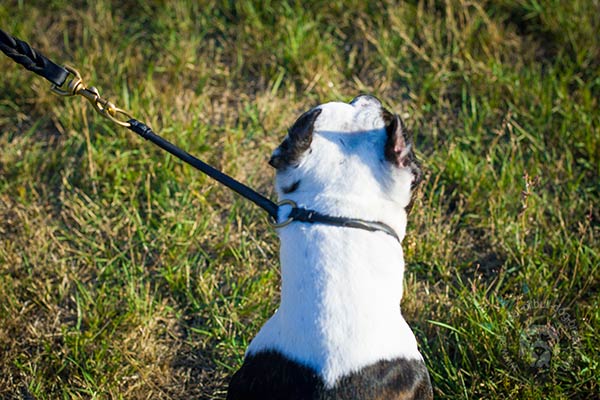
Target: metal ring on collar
(287,221)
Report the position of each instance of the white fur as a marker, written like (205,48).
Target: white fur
(341,287)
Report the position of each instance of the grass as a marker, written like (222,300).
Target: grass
(126,274)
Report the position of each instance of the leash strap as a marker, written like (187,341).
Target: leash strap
(22,53)
(32,60)
(146,132)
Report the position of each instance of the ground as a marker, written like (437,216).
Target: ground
(126,274)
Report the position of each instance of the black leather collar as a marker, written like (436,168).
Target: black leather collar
(314,217)
(299,214)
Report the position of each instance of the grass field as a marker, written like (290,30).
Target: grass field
(125,274)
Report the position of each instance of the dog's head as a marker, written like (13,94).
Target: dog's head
(350,159)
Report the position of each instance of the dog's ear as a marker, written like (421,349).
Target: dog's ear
(398,146)
(301,132)
(298,141)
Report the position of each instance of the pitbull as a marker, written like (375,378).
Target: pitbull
(338,332)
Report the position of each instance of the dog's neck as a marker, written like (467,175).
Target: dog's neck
(340,300)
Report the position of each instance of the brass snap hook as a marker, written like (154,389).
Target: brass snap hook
(102,106)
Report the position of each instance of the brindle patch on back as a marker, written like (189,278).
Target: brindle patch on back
(270,375)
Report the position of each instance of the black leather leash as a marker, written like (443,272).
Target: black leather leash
(146,132)
(22,53)
(34,61)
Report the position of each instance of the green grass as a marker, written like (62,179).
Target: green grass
(126,274)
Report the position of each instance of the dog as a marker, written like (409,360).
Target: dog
(339,332)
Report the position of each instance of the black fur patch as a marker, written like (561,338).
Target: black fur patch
(270,375)
(292,188)
(297,141)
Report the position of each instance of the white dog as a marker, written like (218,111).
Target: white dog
(339,332)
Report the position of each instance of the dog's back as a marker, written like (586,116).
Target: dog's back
(339,332)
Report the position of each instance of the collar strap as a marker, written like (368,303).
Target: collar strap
(299,214)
